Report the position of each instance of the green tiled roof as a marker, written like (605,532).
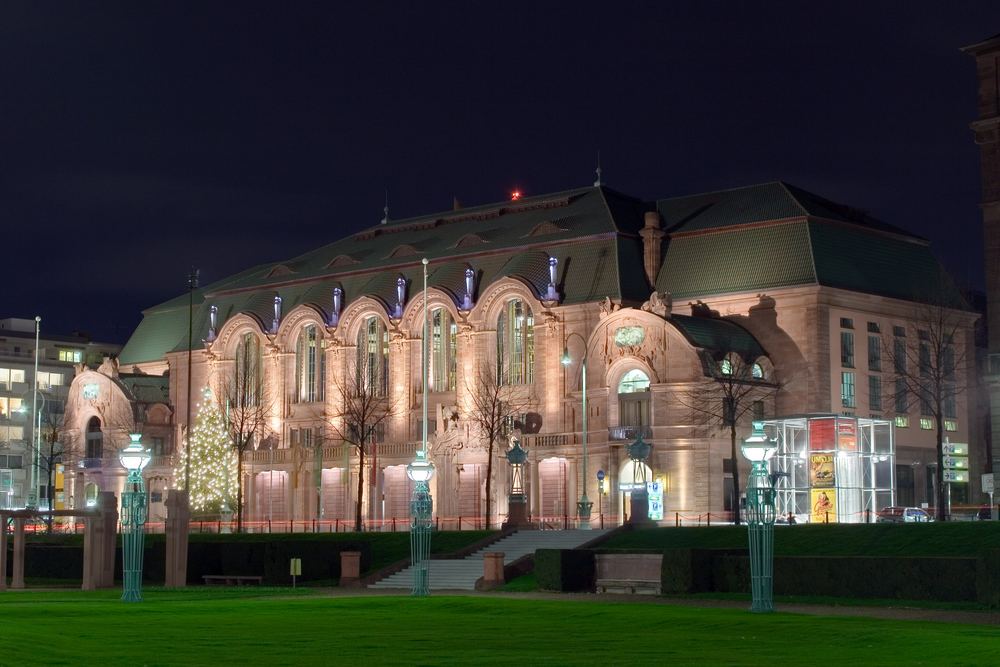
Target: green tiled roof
(719,335)
(590,230)
(146,388)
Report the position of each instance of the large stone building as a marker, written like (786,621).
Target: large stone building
(658,298)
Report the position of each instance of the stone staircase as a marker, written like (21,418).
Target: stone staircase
(461,574)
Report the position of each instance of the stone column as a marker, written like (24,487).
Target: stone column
(17,573)
(178,526)
(3,552)
(108,521)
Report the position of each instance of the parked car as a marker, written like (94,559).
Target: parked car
(903,515)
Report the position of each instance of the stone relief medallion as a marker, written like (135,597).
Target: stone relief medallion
(629,336)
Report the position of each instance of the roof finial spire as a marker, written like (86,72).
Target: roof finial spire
(597,183)
(385,209)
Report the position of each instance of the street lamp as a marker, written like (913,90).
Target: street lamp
(517,514)
(33,492)
(758,449)
(133,458)
(639,452)
(584,505)
(420,471)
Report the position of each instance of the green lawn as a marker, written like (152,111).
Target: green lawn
(273,627)
(931,539)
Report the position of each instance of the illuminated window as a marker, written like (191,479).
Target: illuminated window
(72,356)
(847,389)
(726,367)
(516,343)
(633,381)
(950,425)
(926,423)
(902,421)
(309,366)
(757,371)
(48,380)
(247,381)
(443,362)
(372,372)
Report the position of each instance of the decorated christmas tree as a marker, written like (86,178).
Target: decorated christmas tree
(213,461)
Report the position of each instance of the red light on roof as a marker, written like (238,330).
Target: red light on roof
(515,195)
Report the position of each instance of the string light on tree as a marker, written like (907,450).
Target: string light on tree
(213,461)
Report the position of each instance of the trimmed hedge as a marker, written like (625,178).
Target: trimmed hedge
(565,570)
(688,570)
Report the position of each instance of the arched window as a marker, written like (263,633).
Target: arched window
(443,362)
(95,439)
(310,366)
(757,371)
(633,381)
(515,344)
(247,379)
(373,358)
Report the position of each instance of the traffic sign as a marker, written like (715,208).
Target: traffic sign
(956,448)
(956,475)
(988,483)
(956,462)
(600,475)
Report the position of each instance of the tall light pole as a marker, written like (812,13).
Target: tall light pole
(36,419)
(758,449)
(192,286)
(584,505)
(420,471)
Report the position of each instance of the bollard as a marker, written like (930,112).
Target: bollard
(826,517)
(492,570)
(868,516)
(677,519)
(350,569)
(708,519)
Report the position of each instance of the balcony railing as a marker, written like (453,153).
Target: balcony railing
(622,433)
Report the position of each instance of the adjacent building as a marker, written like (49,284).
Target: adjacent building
(660,299)
(29,437)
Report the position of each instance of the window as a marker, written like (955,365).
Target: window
(72,356)
(726,367)
(48,380)
(925,401)
(875,393)
(899,331)
(902,421)
(372,373)
(247,380)
(899,354)
(924,357)
(948,402)
(309,366)
(926,423)
(633,381)
(847,389)
(901,396)
(874,353)
(443,361)
(948,361)
(758,410)
(874,328)
(158,446)
(757,372)
(950,425)
(846,323)
(847,349)
(515,343)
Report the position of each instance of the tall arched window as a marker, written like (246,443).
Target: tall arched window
(373,358)
(247,378)
(443,362)
(515,343)
(633,399)
(310,365)
(95,439)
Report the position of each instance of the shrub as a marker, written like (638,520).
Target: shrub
(564,570)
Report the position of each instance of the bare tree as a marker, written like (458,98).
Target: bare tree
(364,409)
(729,393)
(50,450)
(495,407)
(245,411)
(930,360)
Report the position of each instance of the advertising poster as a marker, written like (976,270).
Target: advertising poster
(655,491)
(822,436)
(824,505)
(821,471)
(847,435)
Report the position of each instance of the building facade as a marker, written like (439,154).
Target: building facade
(30,419)
(659,299)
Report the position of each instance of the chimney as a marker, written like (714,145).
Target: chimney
(652,237)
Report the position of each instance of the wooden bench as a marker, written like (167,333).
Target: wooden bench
(630,574)
(231,580)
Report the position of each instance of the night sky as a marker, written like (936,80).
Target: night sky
(139,139)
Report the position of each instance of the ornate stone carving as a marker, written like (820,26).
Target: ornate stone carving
(658,304)
(608,306)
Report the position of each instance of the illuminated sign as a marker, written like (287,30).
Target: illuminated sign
(957,448)
(824,506)
(655,491)
(956,475)
(821,470)
(956,462)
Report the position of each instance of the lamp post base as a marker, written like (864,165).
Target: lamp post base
(639,508)
(583,508)
(517,512)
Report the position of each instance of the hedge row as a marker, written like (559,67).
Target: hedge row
(270,560)
(965,579)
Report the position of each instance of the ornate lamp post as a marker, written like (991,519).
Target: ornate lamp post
(420,471)
(758,449)
(584,505)
(133,458)
(421,507)
(639,451)
(517,514)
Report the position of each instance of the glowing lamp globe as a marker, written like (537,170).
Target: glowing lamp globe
(565,360)
(420,470)
(758,448)
(135,457)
